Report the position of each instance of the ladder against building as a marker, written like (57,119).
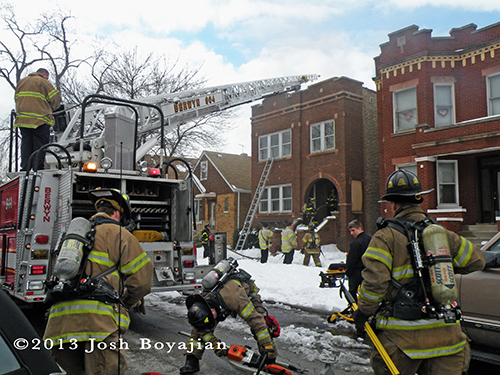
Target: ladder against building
(254,205)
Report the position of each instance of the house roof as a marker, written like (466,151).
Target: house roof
(234,169)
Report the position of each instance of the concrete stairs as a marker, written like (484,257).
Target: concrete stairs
(479,233)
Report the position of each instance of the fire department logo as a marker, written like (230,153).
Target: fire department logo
(8,203)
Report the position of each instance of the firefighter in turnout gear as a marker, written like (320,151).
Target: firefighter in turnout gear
(36,99)
(206,239)
(265,242)
(418,337)
(312,247)
(81,323)
(288,243)
(236,295)
(309,212)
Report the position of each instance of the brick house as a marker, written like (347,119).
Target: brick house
(324,143)
(222,191)
(438,104)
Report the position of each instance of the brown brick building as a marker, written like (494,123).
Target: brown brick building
(438,104)
(324,143)
(222,191)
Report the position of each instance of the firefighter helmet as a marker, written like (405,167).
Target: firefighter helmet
(200,314)
(119,201)
(404,186)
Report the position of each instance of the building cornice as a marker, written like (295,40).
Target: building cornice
(437,59)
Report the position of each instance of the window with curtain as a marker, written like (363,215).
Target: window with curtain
(444,111)
(405,109)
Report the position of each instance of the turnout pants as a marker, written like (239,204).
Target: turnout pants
(454,364)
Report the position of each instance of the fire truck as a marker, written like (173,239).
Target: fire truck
(103,143)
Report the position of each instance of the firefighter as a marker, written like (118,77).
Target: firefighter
(309,211)
(237,296)
(80,324)
(416,339)
(36,99)
(312,247)
(288,243)
(264,242)
(206,239)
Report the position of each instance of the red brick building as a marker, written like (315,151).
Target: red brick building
(438,104)
(222,191)
(324,143)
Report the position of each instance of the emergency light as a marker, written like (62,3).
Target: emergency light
(90,166)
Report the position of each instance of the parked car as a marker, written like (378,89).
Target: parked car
(479,298)
(21,350)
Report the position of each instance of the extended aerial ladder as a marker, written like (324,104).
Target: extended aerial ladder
(164,113)
(105,131)
(247,225)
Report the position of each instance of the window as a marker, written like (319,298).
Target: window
(409,167)
(444,112)
(405,109)
(493,85)
(323,136)
(226,204)
(203,170)
(275,145)
(276,199)
(447,177)
(198,210)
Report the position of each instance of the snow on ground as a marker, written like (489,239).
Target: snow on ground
(290,285)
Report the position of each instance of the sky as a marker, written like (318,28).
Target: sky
(239,40)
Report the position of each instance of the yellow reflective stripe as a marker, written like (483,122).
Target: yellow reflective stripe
(390,323)
(30,94)
(28,115)
(370,296)
(436,352)
(52,93)
(136,264)
(247,311)
(464,253)
(80,336)
(403,272)
(100,257)
(195,345)
(380,255)
(89,307)
(262,335)
(208,337)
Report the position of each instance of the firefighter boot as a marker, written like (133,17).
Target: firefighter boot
(192,365)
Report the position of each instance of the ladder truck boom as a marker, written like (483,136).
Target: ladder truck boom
(39,205)
(177,108)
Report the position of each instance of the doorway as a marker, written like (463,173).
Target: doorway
(490,189)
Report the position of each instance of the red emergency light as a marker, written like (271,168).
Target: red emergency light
(153,172)
(37,270)
(189,264)
(41,238)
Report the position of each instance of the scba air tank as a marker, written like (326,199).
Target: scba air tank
(212,278)
(71,253)
(442,277)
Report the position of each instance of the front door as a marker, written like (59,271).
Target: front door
(490,189)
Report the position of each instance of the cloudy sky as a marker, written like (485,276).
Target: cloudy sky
(240,40)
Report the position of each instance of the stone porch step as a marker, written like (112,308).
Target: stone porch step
(478,233)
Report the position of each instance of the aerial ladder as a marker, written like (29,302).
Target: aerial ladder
(105,132)
(247,224)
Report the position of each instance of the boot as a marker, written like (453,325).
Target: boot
(192,365)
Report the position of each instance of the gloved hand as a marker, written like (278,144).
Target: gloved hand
(220,349)
(359,320)
(271,351)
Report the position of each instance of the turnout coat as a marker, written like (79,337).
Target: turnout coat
(387,257)
(85,319)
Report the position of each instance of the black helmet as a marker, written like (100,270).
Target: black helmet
(199,312)
(119,201)
(404,186)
